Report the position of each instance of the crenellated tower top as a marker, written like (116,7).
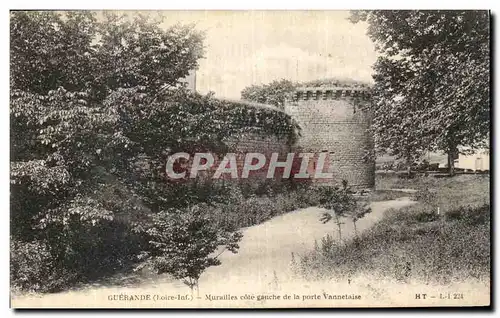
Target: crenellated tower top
(330,93)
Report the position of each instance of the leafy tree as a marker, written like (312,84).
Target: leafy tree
(431,80)
(340,202)
(96,109)
(68,145)
(139,53)
(49,50)
(274,93)
(80,52)
(185,243)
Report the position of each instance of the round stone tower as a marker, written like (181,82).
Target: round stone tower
(335,118)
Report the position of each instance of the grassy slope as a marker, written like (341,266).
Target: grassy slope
(416,243)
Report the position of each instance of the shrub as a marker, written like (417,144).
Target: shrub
(341,202)
(470,215)
(426,216)
(239,211)
(78,126)
(183,243)
(425,195)
(33,268)
(308,195)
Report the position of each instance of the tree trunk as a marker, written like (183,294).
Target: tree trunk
(409,163)
(451,165)
(191,287)
(451,162)
(340,232)
(339,225)
(197,288)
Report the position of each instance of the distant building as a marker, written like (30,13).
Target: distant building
(479,161)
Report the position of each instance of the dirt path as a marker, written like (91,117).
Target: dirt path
(266,249)
(262,267)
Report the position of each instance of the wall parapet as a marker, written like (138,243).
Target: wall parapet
(330,93)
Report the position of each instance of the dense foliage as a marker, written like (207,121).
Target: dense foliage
(432,80)
(275,93)
(96,108)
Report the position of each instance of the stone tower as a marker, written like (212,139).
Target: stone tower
(335,119)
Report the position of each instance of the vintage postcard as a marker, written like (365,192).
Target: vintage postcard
(250,159)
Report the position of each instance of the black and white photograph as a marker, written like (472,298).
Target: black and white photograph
(250,158)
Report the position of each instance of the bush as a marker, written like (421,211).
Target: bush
(425,196)
(33,268)
(470,215)
(183,242)
(426,216)
(239,211)
(72,255)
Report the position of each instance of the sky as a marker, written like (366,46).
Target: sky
(257,47)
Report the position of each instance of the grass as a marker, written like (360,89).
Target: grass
(391,181)
(417,242)
(385,195)
(241,212)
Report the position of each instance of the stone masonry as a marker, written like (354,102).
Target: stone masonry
(333,119)
(336,120)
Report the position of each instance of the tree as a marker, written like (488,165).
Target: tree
(184,243)
(62,67)
(275,93)
(49,50)
(80,52)
(361,209)
(341,202)
(431,80)
(69,145)
(96,109)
